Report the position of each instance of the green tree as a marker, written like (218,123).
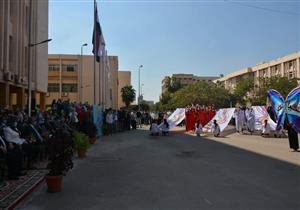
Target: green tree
(282,84)
(201,93)
(144,106)
(165,98)
(172,84)
(244,89)
(128,95)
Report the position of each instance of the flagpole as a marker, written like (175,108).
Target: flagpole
(95,53)
(100,89)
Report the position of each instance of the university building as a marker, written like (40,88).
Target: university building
(124,79)
(14,52)
(186,79)
(287,66)
(71,77)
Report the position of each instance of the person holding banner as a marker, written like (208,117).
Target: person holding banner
(216,128)
(239,116)
(198,129)
(165,128)
(292,135)
(266,129)
(250,118)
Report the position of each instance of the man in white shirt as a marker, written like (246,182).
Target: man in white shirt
(110,121)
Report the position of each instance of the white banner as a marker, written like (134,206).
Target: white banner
(223,117)
(175,118)
(261,115)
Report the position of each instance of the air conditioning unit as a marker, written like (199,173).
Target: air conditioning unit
(21,80)
(17,79)
(8,76)
(24,80)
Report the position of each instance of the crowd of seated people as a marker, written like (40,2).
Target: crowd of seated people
(23,139)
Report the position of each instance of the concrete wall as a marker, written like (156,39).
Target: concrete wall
(105,79)
(286,66)
(14,42)
(124,78)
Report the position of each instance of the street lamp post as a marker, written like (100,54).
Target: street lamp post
(140,66)
(142,89)
(80,72)
(29,67)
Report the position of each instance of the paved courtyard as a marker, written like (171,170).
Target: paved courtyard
(133,170)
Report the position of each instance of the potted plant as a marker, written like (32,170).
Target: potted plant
(105,129)
(60,154)
(81,142)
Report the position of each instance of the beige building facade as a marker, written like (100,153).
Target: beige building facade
(14,44)
(71,77)
(124,79)
(186,79)
(287,66)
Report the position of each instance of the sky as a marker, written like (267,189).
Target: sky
(205,38)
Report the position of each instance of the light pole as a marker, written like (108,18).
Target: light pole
(80,72)
(140,66)
(142,89)
(29,75)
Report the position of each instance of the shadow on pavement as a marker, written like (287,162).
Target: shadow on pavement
(174,172)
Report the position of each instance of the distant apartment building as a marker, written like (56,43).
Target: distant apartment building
(186,79)
(124,79)
(72,77)
(14,44)
(287,66)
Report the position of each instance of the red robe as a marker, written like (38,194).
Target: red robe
(202,118)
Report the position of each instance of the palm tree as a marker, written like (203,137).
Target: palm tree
(128,95)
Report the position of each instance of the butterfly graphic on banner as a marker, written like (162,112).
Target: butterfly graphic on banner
(290,107)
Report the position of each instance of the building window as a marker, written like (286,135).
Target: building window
(262,73)
(289,69)
(69,88)
(69,67)
(275,70)
(110,93)
(53,67)
(53,87)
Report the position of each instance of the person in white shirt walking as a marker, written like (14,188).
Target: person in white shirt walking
(110,121)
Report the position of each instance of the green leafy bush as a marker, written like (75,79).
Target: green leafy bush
(81,140)
(105,129)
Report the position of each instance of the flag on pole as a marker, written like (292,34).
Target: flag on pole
(98,39)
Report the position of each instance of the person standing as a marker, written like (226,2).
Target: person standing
(110,121)
(165,127)
(250,118)
(139,119)
(266,129)
(198,129)
(239,115)
(216,129)
(292,135)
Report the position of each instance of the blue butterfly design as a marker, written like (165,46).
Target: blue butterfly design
(289,108)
